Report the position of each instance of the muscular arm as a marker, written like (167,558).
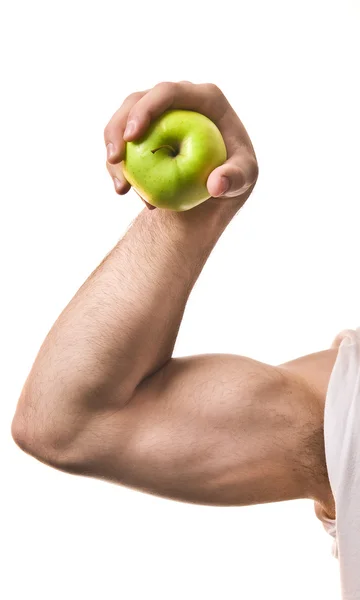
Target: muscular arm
(105,398)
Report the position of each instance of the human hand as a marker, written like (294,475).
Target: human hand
(234,179)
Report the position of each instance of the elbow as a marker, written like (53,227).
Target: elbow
(41,441)
(28,438)
(22,429)
(58,433)
(18,433)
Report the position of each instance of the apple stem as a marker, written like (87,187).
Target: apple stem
(172,150)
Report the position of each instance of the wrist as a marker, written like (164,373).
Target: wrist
(207,219)
(193,230)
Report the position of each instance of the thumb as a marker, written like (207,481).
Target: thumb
(233,178)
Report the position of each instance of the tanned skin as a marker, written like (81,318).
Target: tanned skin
(106,399)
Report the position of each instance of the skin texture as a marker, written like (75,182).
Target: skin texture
(105,398)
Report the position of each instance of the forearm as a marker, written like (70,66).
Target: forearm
(122,324)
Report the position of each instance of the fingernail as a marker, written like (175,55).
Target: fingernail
(117,183)
(225,184)
(110,150)
(130,129)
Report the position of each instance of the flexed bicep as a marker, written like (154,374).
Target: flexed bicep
(219,430)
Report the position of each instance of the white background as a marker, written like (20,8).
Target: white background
(283,280)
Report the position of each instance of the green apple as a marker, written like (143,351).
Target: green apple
(170,164)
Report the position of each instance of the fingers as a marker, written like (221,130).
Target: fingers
(139,109)
(121,185)
(116,173)
(205,98)
(114,131)
(131,121)
(234,177)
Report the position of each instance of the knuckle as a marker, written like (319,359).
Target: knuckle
(213,89)
(132,97)
(107,132)
(122,114)
(166,87)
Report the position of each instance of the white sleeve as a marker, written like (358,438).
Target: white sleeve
(342,450)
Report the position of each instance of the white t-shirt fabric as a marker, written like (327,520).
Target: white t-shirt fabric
(342,451)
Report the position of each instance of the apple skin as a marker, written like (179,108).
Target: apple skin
(175,182)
